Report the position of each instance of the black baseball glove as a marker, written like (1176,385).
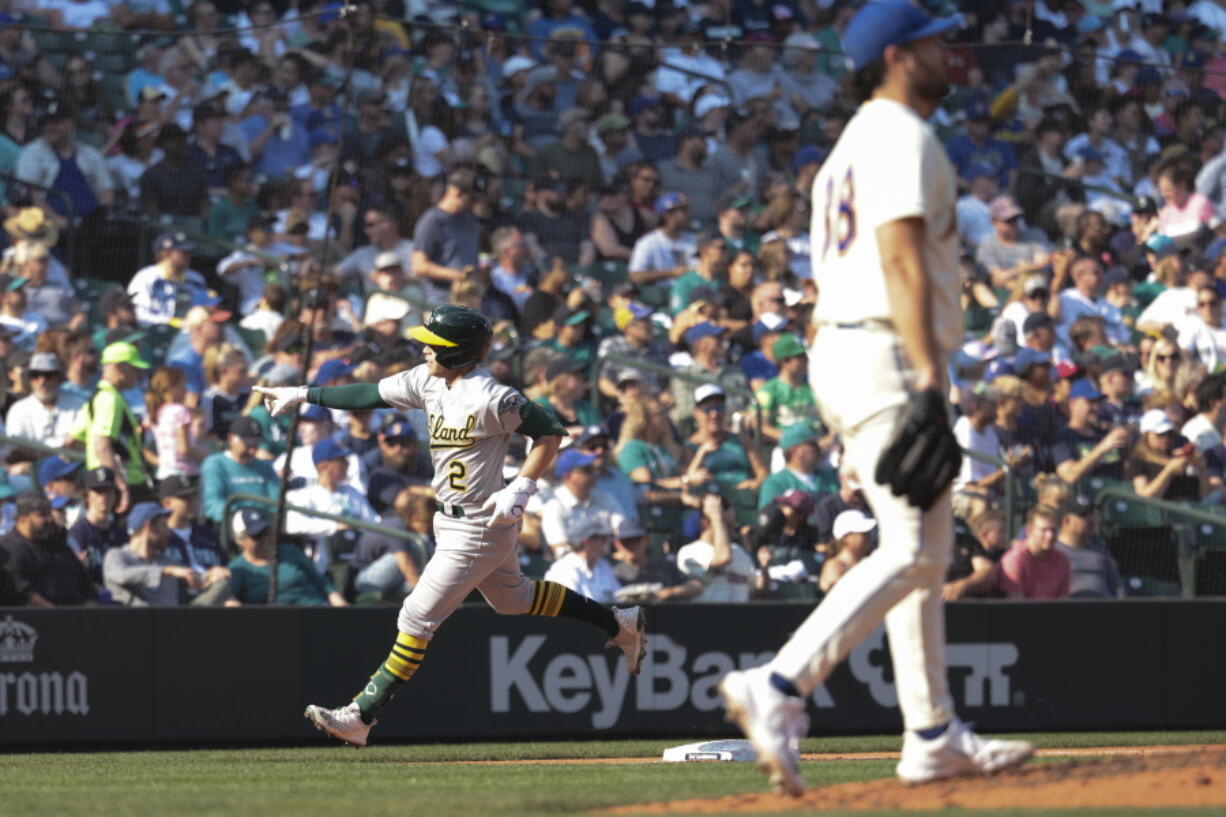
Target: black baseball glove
(922,456)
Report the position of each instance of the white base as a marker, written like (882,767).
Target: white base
(708,750)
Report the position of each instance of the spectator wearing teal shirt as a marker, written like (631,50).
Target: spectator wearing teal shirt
(733,461)
(801,469)
(565,396)
(571,338)
(706,273)
(648,453)
(298,582)
(236,470)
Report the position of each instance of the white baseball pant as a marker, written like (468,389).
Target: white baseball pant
(467,555)
(861,382)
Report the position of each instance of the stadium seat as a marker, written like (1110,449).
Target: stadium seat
(254,339)
(795,591)
(159,338)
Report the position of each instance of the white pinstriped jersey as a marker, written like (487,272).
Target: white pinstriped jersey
(887,165)
(470,426)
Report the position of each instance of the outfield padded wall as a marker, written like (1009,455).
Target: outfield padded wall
(141,676)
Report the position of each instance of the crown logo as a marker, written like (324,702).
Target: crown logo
(17,641)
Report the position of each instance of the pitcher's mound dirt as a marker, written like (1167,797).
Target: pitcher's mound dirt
(1156,781)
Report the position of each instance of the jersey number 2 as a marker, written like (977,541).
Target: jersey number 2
(456,478)
(839,215)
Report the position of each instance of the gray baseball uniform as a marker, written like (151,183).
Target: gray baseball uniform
(470,426)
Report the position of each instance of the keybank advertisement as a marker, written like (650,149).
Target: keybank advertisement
(102,675)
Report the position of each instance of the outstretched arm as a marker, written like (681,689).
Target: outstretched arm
(353,397)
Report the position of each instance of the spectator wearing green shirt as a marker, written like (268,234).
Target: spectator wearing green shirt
(801,461)
(571,157)
(706,273)
(236,470)
(298,582)
(565,396)
(111,433)
(786,399)
(229,215)
(571,335)
(732,459)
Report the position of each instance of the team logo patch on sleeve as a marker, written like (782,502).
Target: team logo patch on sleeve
(512,402)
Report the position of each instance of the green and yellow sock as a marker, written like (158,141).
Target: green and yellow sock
(404,659)
(552,599)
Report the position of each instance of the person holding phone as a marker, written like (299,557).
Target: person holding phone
(1161,464)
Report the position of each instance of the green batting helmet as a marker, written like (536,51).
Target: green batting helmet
(459,335)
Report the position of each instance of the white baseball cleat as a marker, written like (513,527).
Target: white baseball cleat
(959,751)
(631,638)
(773,722)
(344,723)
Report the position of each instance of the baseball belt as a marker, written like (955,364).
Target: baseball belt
(449,509)
(871,324)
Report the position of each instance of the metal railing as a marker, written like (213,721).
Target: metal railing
(259,499)
(1188,551)
(1010,491)
(673,374)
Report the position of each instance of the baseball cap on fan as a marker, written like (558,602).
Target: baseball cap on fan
(853,521)
(883,23)
(249,522)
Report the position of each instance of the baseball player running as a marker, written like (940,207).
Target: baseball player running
(885,253)
(477,520)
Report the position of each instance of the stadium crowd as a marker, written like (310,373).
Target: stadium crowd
(624,189)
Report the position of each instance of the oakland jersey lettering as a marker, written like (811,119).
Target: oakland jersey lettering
(442,436)
(470,427)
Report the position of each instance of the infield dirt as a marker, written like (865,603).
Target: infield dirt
(1148,777)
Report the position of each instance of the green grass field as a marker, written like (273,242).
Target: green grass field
(395,780)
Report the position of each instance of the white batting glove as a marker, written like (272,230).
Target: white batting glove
(281,399)
(510,501)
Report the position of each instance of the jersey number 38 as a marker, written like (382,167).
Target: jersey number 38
(839,215)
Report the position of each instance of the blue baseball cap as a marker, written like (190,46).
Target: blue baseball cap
(1091,154)
(54,468)
(206,298)
(670,201)
(570,459)
(328,449)
(1191,60)
(316,413)
(643,102)
(1085,390)
(883,23)
(142,514)
(1215,250)
(398,431)
(980,170)
(1027,357)
(250,522)
(977,109)
(808,155)
(996,367)
(331,370)
(323,136)
(706,329)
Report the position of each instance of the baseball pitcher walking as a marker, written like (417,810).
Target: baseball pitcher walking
(885,251)
(477,520)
